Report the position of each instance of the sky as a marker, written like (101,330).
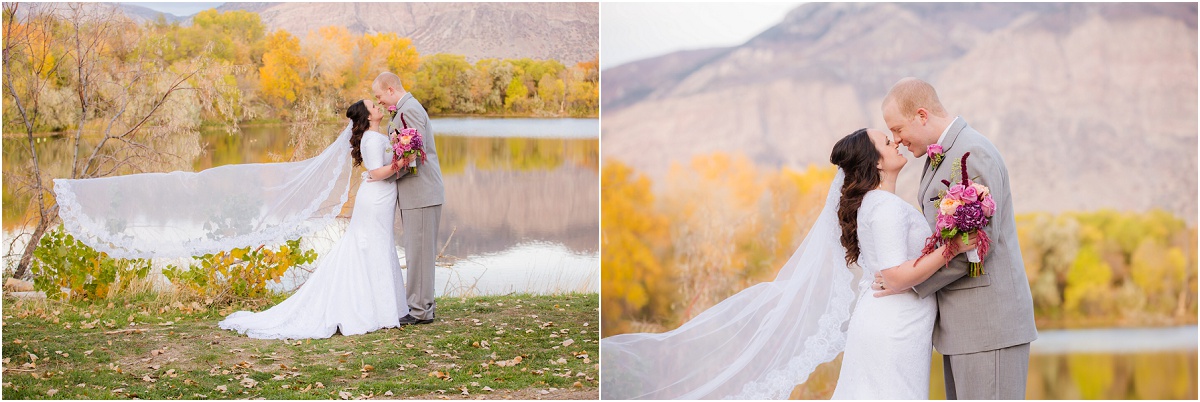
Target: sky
(635,31)
(178,9)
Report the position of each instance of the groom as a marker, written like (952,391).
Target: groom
(985,323)
(419,197)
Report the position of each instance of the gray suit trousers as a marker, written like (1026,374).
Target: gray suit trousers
(420,254)
(992,374)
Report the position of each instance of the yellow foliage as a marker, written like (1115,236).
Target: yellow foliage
(279,76)
(1087,283)
(632,275)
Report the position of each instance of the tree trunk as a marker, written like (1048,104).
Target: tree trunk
(27,257)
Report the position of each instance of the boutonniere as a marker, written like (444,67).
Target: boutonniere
(936,154)
(391,116)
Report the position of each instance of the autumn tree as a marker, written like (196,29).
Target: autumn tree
(636,283)
(552,91)
(515,94)
(439,84)
(279,75)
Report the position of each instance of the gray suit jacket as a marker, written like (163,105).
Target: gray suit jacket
(425,188)
(995,310)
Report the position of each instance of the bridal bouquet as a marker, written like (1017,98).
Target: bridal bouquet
(964,208)
(407,142)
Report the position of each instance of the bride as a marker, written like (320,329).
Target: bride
(763,341)
(356,287)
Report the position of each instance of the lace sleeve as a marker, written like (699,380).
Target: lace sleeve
(888,232)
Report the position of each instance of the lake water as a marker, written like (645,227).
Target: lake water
(522,198)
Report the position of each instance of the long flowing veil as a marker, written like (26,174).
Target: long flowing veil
(181,214)
(757,344)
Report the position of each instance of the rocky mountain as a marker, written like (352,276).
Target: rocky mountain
(143,14)
(568,32)
(1092,105)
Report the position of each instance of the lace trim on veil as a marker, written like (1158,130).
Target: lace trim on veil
(822,347)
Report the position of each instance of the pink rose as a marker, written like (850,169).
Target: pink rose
(989,205)
(969,194)
(981,189)
(935,149)
(392,108)
(405,139)
(956,192)
(945,221)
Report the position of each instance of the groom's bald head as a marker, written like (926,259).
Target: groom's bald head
(387,80)
(387,88)
(914,114)
(911,94)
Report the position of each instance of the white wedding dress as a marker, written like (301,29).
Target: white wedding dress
(356,287)
(889,340)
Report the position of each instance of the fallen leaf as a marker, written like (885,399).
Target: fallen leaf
(51,392)
(88,352)
(320,385)
(222,388)
(568,342)
(578,384)
(344,395)
(249,382)
(149,379)
(367,367)
(487,388)
(389,393)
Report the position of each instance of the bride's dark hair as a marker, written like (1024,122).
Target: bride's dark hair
(857,156)
(360,120)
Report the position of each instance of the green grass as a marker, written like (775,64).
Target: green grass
(150,347)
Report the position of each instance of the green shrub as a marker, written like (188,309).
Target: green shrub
(239,273)
(60,261)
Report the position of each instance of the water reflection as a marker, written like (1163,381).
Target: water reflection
(490,127)
(516,190)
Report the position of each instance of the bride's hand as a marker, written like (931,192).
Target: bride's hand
(407,160)
(881,289)
(971,244)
